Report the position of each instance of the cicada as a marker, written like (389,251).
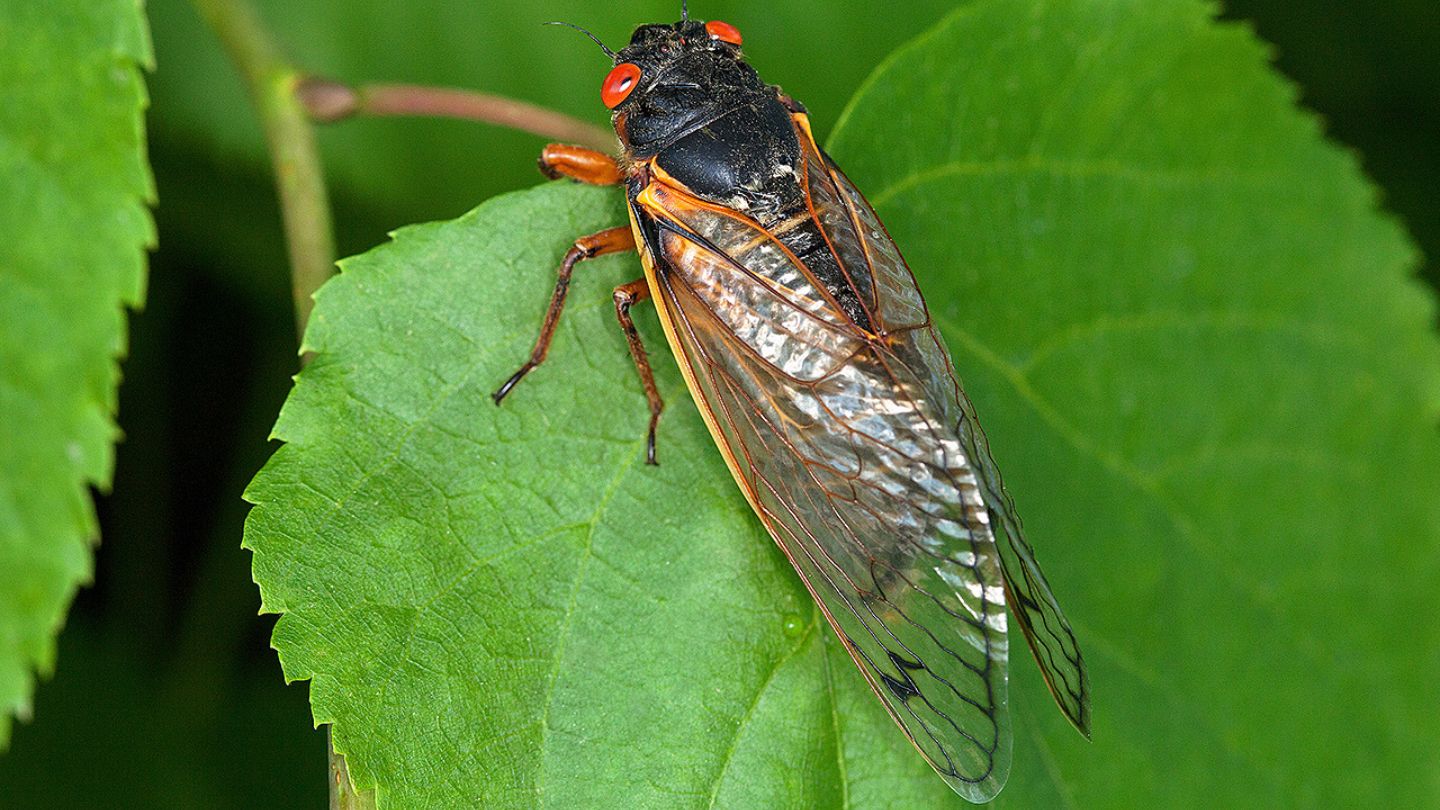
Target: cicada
(810,352)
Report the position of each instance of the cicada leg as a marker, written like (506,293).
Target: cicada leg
(587,166)
(595,168)
(614,240)
(578,163)
(626,296)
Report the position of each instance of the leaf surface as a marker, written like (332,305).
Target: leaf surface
(1209,377)
(74,185)
(1202,364)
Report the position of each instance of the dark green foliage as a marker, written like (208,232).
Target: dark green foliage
(73,214)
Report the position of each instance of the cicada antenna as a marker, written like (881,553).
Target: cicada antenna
(592,37)
(685,11)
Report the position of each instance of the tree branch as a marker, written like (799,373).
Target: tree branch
(328,101)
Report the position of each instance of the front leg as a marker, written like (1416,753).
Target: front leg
(578,163)
(614,240)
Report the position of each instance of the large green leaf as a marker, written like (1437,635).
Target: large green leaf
(1209,377)
(73,192)
(1202,365)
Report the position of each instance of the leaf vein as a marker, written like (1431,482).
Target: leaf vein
(1161,320)
(1111,169)
(1125,471)
(754,706)
(835,724)
(567,622)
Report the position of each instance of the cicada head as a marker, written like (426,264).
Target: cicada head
(673,79)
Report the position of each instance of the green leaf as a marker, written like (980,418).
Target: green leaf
(73,192)
(1202,365)
(1210,379)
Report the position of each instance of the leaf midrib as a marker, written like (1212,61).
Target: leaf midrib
(582,570)
(780,663)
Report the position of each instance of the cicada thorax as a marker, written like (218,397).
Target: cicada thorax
(752,165)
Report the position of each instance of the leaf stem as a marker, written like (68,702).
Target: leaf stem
(343,795)
(304,202)
(327,101)
(304,205)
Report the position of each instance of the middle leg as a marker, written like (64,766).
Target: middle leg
(626,296)
(614,240)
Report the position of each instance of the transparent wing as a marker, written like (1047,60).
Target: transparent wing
(846,448)
(899,304)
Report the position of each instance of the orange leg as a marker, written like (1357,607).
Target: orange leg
(614,240)
(579,163)
(626,296)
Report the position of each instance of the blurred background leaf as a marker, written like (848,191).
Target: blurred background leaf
(75,225)
(205,378)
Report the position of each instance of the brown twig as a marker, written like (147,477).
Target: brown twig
(327,101)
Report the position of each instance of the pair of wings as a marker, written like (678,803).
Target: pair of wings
(856,446)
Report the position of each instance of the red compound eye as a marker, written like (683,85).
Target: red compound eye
(725,32)
(623,79)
